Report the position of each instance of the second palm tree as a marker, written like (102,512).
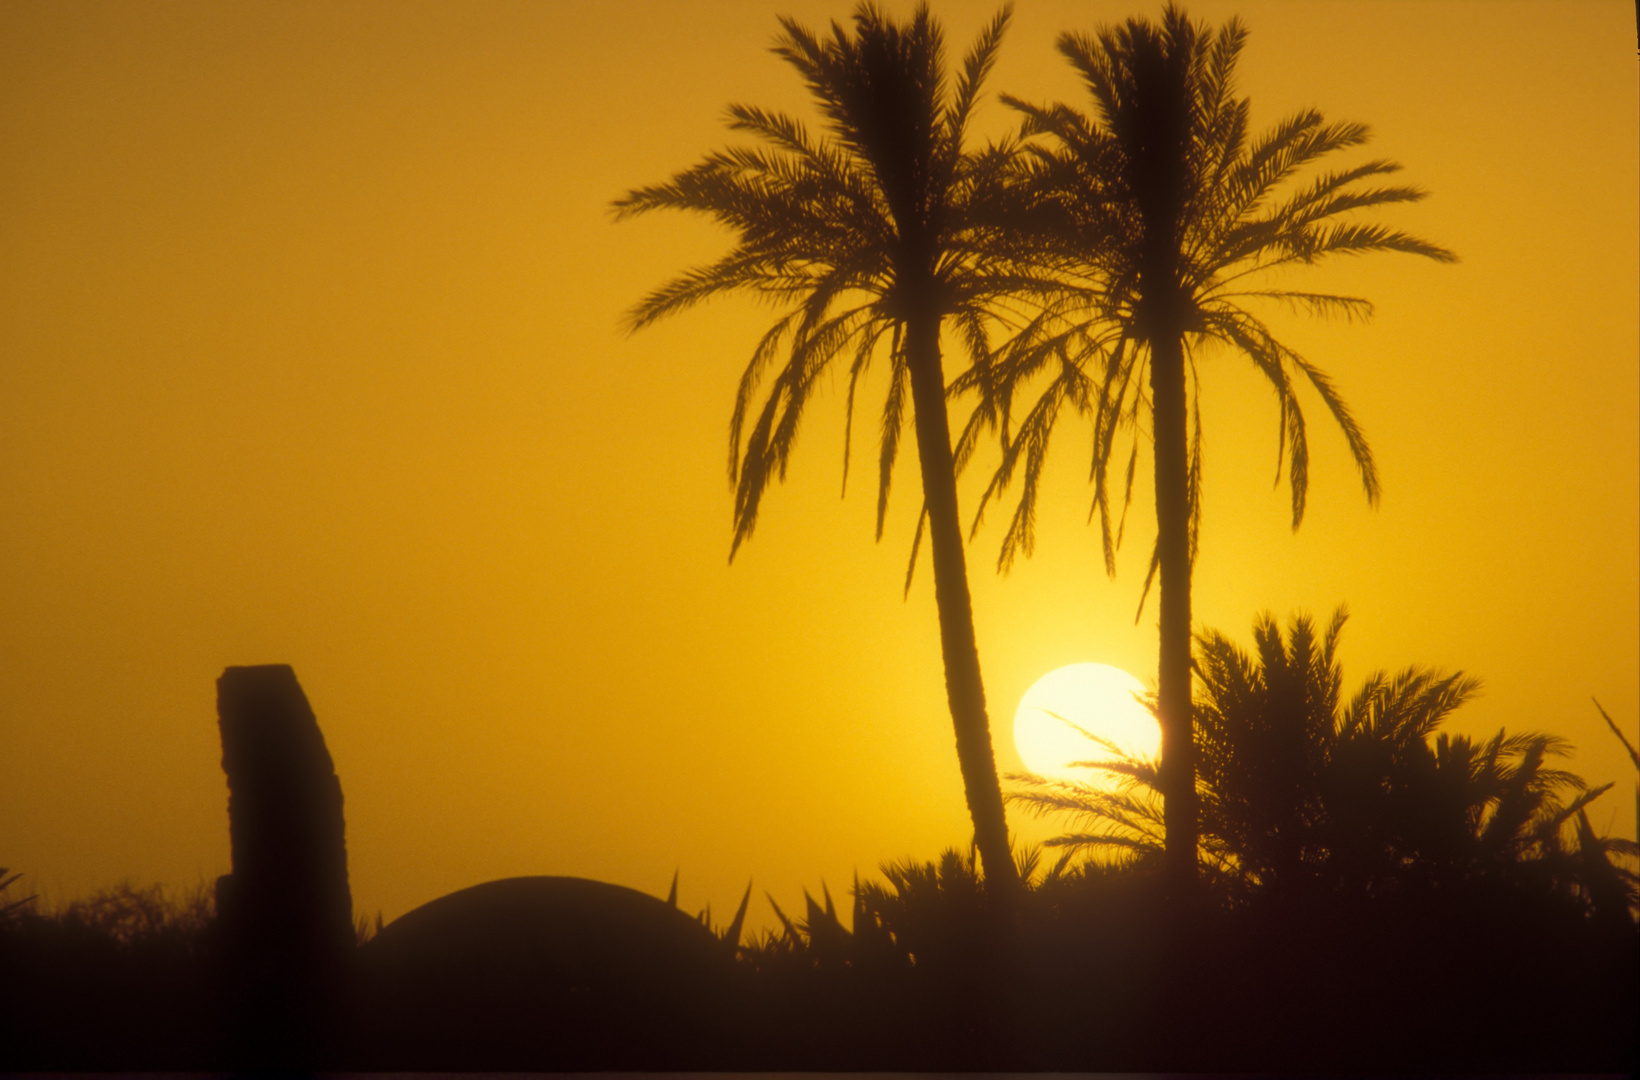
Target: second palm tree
(1166,208)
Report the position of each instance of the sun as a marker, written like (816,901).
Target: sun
(1096,697)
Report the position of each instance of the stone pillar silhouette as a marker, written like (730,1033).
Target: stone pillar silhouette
(285,911)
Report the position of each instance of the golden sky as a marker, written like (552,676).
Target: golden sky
(310,353)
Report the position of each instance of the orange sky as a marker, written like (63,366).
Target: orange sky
(309,317)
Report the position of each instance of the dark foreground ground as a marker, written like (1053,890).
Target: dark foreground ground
(557,974)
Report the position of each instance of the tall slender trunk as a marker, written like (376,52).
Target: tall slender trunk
(1178,766)
(1161,180)
(964,689)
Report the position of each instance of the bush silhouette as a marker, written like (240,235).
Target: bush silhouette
(1303,792)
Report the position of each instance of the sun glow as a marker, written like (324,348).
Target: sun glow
(1100,699)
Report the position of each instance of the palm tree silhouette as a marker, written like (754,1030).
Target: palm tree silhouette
(1167,216)
(877,231)
(1303,793)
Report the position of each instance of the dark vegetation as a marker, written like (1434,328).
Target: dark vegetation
(121,977)
(1486,974)
(1379,895)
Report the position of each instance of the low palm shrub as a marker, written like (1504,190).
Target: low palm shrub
(1303,792)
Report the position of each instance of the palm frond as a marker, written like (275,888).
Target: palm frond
(978,63)
(892,423)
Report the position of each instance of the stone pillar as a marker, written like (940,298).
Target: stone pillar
(286,912)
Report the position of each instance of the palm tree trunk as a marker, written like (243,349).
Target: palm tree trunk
(964,689)
(1178,766)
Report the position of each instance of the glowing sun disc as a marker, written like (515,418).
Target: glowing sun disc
(1096,697)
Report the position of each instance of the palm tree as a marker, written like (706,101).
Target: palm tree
(874,233)
(1168,215)
(1301,790)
